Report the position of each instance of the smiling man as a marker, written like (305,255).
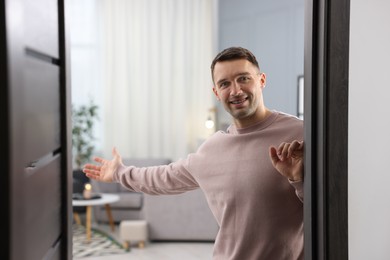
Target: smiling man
(251,175)
(239,85)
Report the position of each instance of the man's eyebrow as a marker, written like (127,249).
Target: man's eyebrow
(242,74)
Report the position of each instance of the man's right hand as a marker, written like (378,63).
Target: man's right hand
(105,170)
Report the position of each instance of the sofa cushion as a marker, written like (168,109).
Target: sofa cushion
(123,189)
(184,216)
(130,200)
(102,187)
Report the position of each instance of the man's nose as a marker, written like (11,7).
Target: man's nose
(236,89)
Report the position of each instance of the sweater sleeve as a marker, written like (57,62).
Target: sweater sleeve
(157,180)
(298,185)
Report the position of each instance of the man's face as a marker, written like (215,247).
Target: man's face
(238,85)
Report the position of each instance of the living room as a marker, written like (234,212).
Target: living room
(35,108)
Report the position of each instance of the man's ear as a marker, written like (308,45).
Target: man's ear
(216,93)
(263,80)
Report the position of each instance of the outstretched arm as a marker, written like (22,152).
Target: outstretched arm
(105,170)
(288,159)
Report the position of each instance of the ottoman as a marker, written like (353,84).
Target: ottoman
(133,231)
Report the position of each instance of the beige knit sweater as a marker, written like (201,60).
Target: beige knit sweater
(260,213)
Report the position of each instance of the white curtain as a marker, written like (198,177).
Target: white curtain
(155,74)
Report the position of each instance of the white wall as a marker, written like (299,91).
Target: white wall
(369,130)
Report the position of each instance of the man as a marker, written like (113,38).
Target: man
(259,211)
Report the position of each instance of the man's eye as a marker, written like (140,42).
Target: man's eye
(244,79)
(224,84)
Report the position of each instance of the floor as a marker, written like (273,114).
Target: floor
(159,250)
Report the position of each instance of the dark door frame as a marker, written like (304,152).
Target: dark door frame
(326,129)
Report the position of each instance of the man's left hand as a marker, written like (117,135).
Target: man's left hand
(288,159)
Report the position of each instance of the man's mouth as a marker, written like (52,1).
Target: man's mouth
(238,101)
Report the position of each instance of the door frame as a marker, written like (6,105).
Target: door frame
(326,129)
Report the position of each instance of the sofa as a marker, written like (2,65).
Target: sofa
(182,217)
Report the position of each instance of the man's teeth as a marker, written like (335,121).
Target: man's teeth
(238,101)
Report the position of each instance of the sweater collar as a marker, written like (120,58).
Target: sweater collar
(255,127)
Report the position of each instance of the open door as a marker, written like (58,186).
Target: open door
(35,116)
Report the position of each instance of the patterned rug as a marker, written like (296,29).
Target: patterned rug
(100,244)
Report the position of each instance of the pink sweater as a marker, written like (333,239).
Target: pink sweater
(260,213)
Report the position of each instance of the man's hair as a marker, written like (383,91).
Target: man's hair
(234,53)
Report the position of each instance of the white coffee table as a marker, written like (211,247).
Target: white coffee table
(105,200)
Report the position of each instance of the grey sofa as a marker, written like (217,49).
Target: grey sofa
(185,217)
(170,217)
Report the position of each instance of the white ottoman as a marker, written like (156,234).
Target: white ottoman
(133,231)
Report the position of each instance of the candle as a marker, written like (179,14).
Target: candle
(87,193)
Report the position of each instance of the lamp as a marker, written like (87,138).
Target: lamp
(209,123)
(87,193)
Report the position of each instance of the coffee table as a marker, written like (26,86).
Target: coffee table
(105,199)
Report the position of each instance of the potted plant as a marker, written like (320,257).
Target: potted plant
(83,122)
(83,119)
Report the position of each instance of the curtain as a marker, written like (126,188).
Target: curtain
(154,84)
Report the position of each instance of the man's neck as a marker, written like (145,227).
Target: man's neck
(254,119)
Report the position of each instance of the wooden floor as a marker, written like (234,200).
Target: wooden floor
(160,250)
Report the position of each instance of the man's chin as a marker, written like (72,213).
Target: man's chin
(239,114)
